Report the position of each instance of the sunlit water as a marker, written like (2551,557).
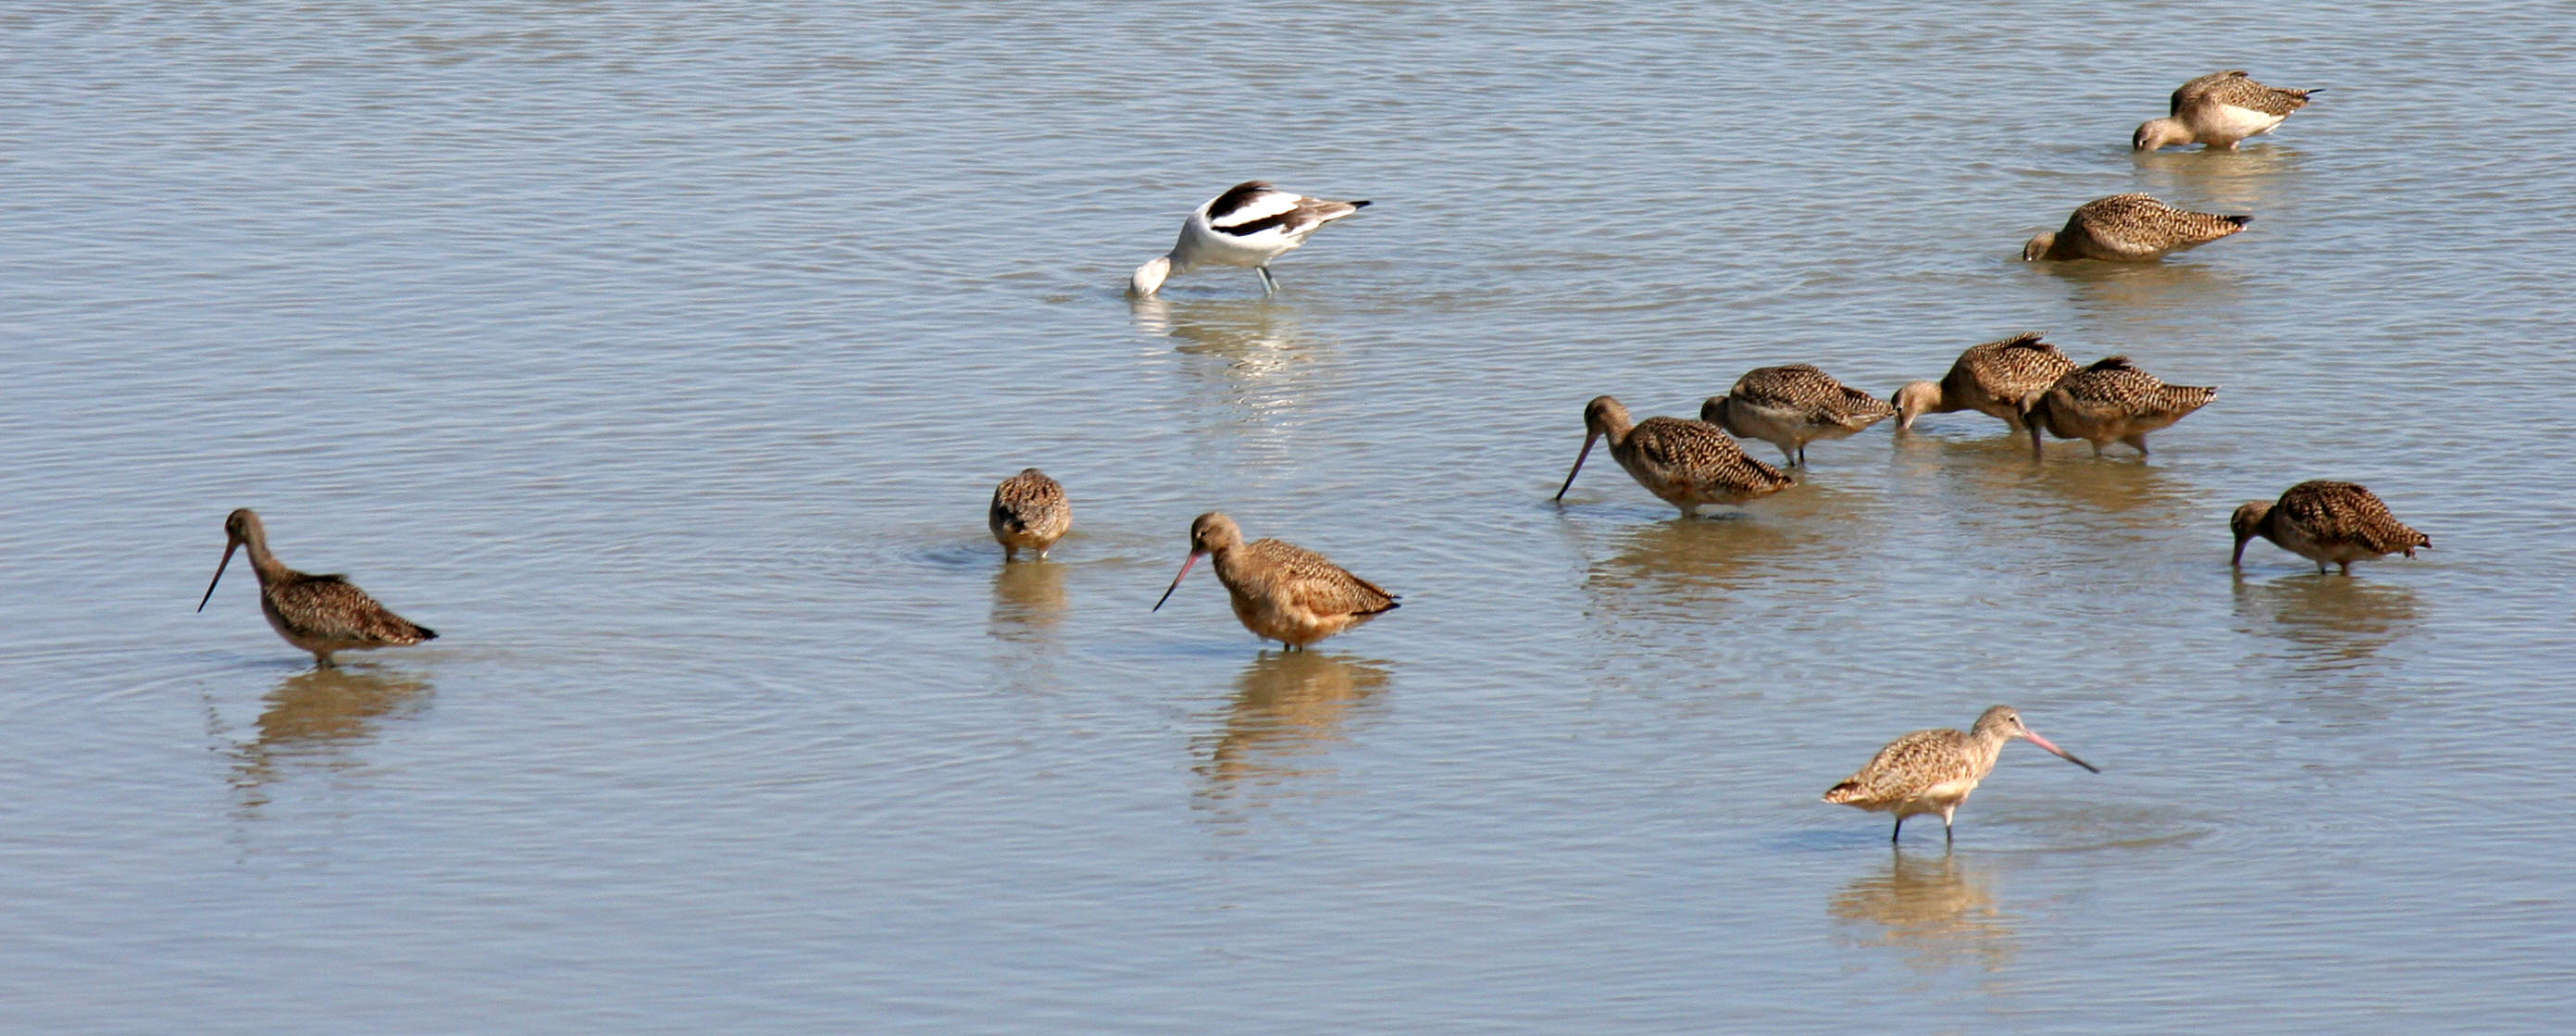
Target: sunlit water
(662,359)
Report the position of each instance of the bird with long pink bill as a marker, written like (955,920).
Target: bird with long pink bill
(1932,771)
(1687,463)
(1280,591)
(318,613)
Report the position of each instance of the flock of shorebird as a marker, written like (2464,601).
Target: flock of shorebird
(1296,596)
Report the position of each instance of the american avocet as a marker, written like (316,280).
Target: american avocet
(1792,406)
(1281,591)
(319,613)
(2110,401)
(1932,771)
(1687,463)
(2217,110)
(1991,379)
(2324,522)
(2130,228)
(1029,513)
(1249,225)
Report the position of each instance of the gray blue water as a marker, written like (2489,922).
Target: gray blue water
(662,356)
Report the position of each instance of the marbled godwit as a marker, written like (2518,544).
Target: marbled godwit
(2110,401)
(1991,379)
(1792,406)
(1687,463)
(1932,771)
(1029,513)
(1281,591)
(320,614)
(2325,521)
(2217,110)
(1249,225)
(2130,228)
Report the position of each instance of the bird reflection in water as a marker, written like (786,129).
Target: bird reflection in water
(315,718)
(1939,910)
(2332,623)
(1028,600)
(1288,711)
(1248,355)
(2250,180)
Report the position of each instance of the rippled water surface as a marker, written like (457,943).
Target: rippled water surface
(662,358)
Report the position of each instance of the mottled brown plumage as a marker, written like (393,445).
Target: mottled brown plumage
(1280,591)
(2131,228)
(1029,512)
(2110,401)
(1992,379)
(2218,110)
(318,613)
(1932,771)
(1791,406)
(1687,463)
(2325,521)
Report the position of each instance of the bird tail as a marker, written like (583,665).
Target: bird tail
(1843,793)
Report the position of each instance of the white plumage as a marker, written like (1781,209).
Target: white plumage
(1249,225)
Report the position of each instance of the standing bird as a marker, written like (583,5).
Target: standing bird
(1991,379)
(1687,463)
(1029,513)
(2217,110)
(1792,406)
(2130,228)
(1281,591)
(2110,401)
(2326,521)
(320,614)
(1932,771)
(1249,225)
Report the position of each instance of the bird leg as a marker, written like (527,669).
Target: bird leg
(1900,830)
(1269,284)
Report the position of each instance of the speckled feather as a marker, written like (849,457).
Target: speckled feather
(1313,582)
(2334,514)
(2006,371)
(2131,227)
(1029,512)
(1914,764)
(2114,401)
(1805,387)
(331,609)
(2234,87)
(1695,460)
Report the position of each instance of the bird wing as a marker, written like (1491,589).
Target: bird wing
(2010,370)
(1026,500)
(2238,91)
(2343,512)
(1253,207)
(329,607)
(1909,766)
(2191,93)
(1314,583)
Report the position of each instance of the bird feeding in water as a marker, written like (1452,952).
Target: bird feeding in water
(1932,771)
(1791,406)
(2129,228)
(2110,401)
(1029,512)
(2326,522)
(1250,224)
(1687,463)
(318,613)
(1280,591)
(2218,110)
(1991,379)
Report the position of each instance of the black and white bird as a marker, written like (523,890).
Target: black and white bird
(1249,225)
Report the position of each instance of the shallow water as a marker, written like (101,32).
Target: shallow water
(662,358)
